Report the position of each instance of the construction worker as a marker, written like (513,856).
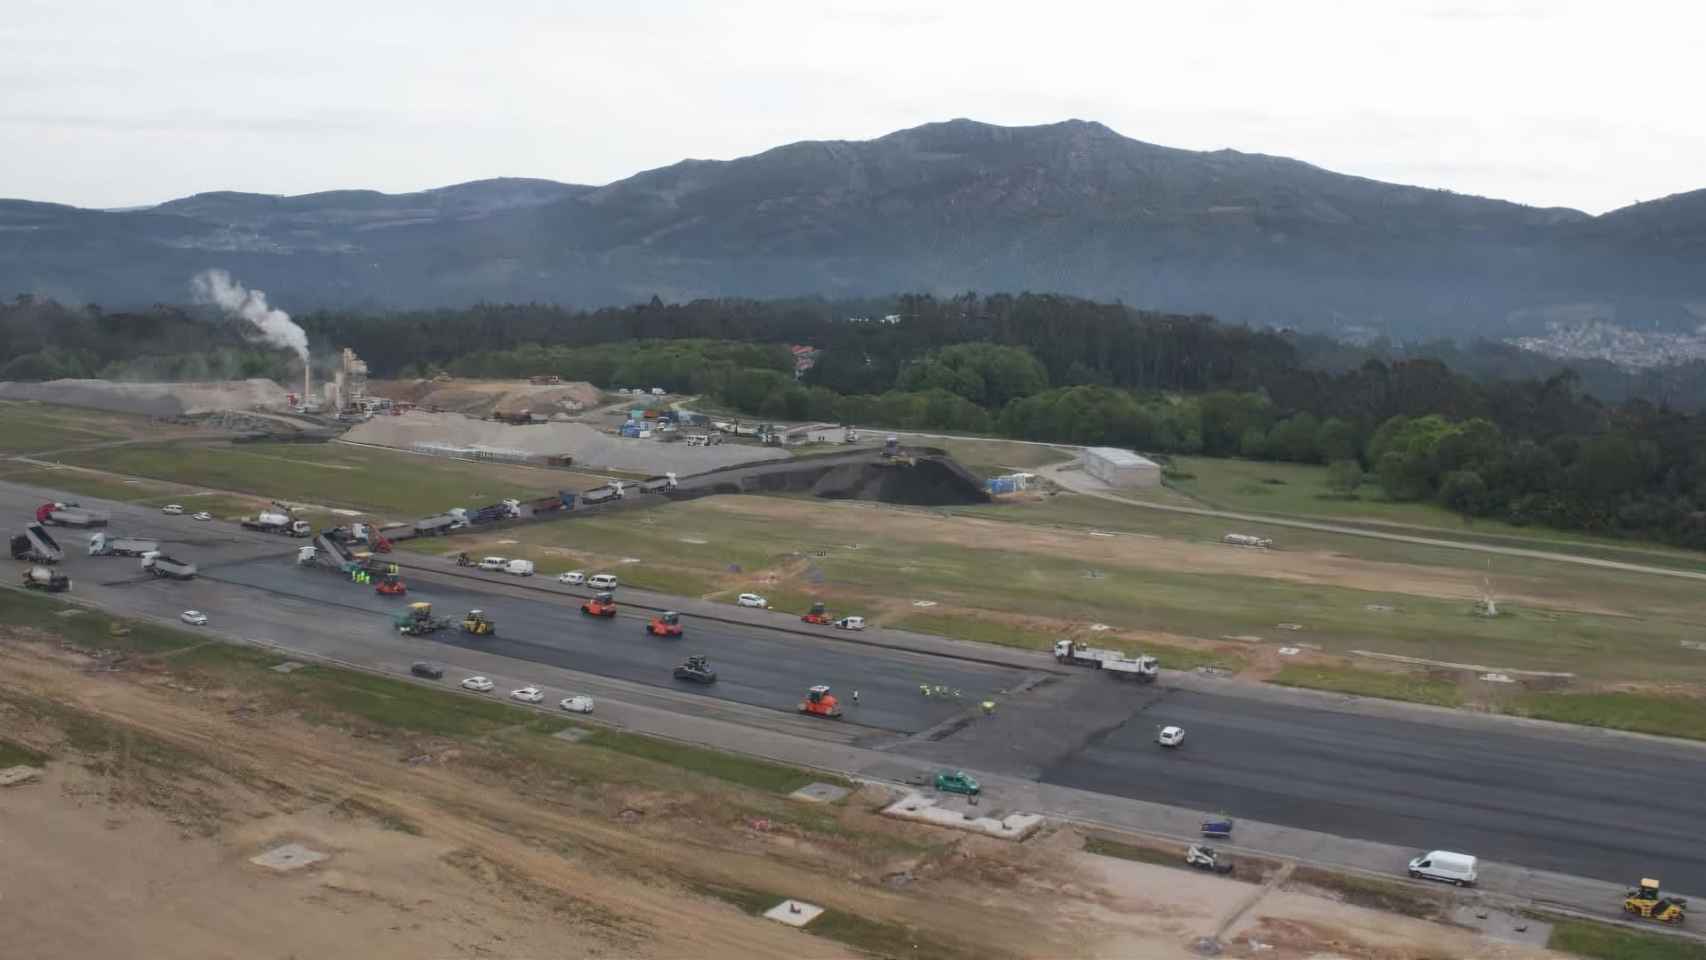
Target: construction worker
(924,688)
(988,707)
(855,696)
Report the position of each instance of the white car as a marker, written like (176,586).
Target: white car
(194,616)
(1170,736)
(172,508)
(577,704)
(752,600)
(477,684)
(572,578)
(527,695)
(493,563)
(851,623)
(203,515)
(602,581)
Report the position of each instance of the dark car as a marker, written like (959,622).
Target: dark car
(431,671)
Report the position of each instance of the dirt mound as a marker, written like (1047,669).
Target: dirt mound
(480,398)
(588,446)
(928,482)
(152,399)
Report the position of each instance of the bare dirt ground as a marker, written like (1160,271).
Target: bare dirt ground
(1132,550)
(137,843)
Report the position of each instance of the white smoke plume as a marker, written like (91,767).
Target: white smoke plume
(274,326)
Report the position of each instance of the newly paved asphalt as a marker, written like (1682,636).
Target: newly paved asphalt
(1573,800)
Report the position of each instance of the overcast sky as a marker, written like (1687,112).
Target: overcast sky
(1592,105)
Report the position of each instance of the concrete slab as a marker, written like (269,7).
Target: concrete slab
(1501,925)
(12,776)
(289,666)
(573,734)
(922,809)
(290,856)
(794,913)
(819,793)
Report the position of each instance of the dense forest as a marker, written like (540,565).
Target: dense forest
(1486,430)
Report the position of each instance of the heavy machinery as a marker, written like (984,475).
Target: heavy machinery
(36,545)
(104,545)
(697,669)
(391,585)
(665,624)
(819,702)
(1205,858)
(69,515)
(600,605)
(43,578)
(276,521)
(463,560)
(478,624)
(418,620)
(1647,903)
(171,568)
(1140,667)
(818,614)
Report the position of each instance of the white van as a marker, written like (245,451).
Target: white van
(493,564)
(602,581)
(1457,868)
(521,568)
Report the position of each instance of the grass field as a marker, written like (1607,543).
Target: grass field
(1643,713)
(391,484)
(1601,941)
(1370,683)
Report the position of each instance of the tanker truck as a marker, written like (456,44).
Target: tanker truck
(271,521)
(43,578)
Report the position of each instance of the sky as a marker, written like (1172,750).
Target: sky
(1592,105)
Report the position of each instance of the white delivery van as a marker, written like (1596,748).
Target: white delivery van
(521,568)
(1457,868)
(493,563)
(602,581)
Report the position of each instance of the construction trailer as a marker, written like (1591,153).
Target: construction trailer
(1121,468)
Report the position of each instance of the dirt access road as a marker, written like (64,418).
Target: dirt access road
(1072,477)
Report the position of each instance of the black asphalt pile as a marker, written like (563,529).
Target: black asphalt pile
(932,480)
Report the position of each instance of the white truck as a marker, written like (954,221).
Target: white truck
(1140,667)
(103,545)
(271,521)
(171,568)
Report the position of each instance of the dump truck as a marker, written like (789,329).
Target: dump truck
(564,500)
(659,484)
(105,545)
(171,568)
(418,621)
(69,515)
(1140,667)
(36,545)
(819,702)
(435,526)
(272,521)
(44,578)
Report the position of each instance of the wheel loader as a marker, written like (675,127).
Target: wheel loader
(1647,903)
(478,624)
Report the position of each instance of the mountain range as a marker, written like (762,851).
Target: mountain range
(1070,207)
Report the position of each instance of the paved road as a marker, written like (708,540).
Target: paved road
(1079,482)
(1573,800)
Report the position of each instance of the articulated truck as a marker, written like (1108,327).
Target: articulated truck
(1114,661)
(270,521)
(103,545)
(36,545)
(69,515)
(170,568)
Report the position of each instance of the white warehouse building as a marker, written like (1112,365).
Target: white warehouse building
(1121,468)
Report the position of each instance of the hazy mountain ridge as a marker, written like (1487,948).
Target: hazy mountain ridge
(1072,207)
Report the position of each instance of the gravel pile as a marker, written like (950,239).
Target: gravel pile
(151,399)
(588,446)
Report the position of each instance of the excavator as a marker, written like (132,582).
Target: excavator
(665,624)
(478,624)
(391,585)
(601,605)
(819,702)
(1647,903)
(818,614)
